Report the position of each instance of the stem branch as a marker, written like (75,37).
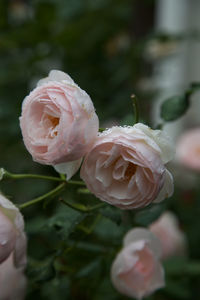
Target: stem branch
(41,198)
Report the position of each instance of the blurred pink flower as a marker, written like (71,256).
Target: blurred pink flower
(136,271)
(125,166)
(58,123)
(12,281)
(172,239)
(12,236)
(188,149)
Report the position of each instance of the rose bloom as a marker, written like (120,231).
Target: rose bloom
(12,236)
(188,149)
(58,122)
(172,239)
(136,271)
(125,166)
(12,281)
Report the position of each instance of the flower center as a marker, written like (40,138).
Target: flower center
(130,170)
(54,121)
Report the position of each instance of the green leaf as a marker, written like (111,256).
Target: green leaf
(64,221)
(149,214)
(43,270)
(112,213)
(174,107)
(182,266)
(89,268)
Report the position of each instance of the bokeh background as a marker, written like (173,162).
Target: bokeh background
(112,49)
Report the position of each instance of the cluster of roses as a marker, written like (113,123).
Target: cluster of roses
(124,166)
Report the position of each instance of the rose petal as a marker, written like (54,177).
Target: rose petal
(69,168)
(167,189)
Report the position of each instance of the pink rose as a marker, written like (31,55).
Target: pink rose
(12,281)
(188,149)
(172,239)
(125,166)
(12,236)
(136,271)
(58,122)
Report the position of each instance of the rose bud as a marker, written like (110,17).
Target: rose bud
(12,281)
(172,239)
(125,166)
(58,123)
(12,236)
(136,271)
(188,149)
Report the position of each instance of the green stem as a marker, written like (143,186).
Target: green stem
(41,198)
(82,208)
(8,175)
(135,107)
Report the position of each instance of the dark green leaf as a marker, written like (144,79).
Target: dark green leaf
(149,214)
(64,221)
(112,213)
(39,271)
(174,107)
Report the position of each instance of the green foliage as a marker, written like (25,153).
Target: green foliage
(174,108)
(64,221)
(148,215)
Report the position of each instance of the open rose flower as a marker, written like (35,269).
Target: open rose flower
(188,149)
(58,123)
(12,236)
(136,271)
(172,239)
(12,281)
(125,166)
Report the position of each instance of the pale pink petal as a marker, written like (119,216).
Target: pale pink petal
(161,139)
(167,189)
(7,237)
(172,239)
(69,168)
(12,281)
(144,234)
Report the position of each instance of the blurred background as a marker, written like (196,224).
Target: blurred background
(112,49)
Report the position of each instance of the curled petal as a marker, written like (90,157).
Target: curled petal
(7,237)
(162,140)
(172,238)
(20,258)
(56,75)
(167,189)
(69,168)
(139,233)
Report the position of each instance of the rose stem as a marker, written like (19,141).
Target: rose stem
(8,175)
(82,208)
(41,198)
(135,107)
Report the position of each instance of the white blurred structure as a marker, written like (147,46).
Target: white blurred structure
(175,70)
